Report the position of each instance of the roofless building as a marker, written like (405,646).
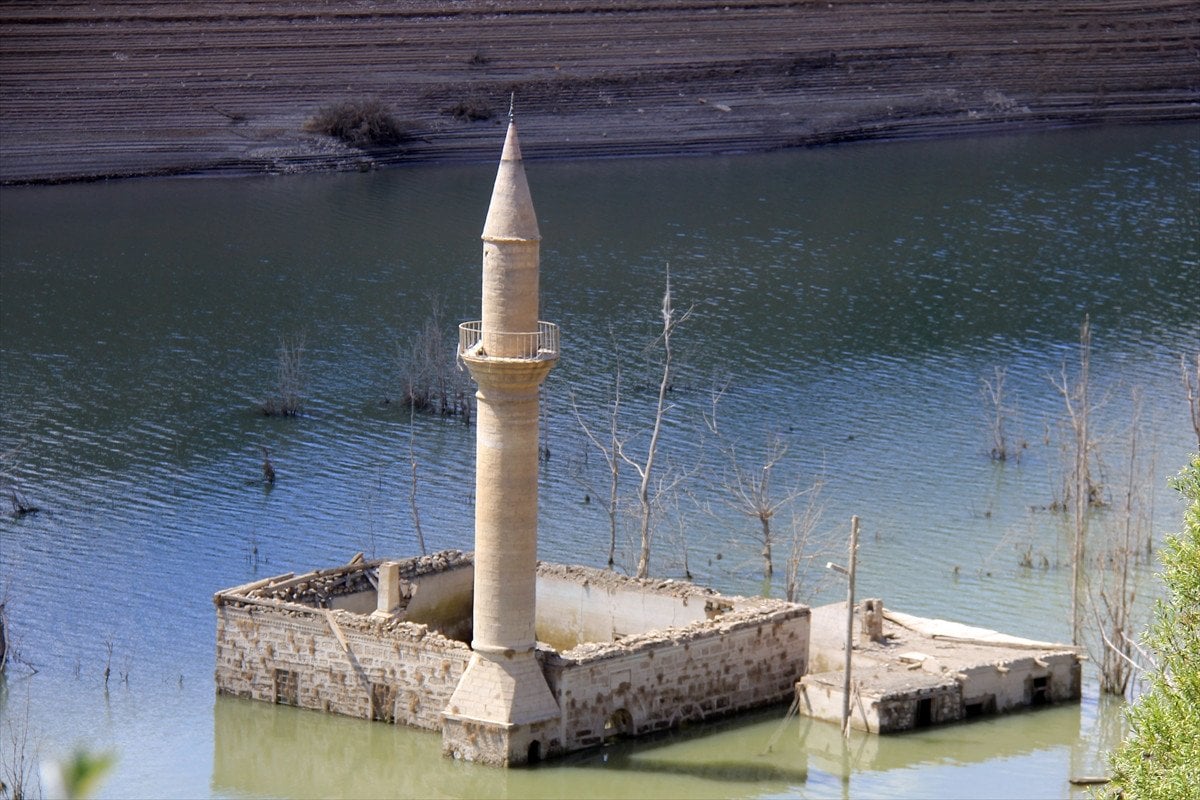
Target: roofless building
(515,660)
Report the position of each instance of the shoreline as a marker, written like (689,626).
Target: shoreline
(144,88)
(363,161)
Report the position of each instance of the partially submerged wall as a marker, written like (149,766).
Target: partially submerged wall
(441,600)
(1020,681)
(880,705)
(664,653)
(578,604)
(275,644)
(660,679)
(920,672)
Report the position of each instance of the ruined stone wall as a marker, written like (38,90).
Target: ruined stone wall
(578,604)
(442,600)
(655,681)
(1020,682)
(337,662)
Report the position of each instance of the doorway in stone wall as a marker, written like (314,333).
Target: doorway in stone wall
(924,716)
(618,726)
(383,702)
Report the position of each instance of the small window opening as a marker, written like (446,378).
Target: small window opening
(1040,693)
(982,706)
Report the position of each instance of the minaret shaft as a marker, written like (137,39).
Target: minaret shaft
(506,470)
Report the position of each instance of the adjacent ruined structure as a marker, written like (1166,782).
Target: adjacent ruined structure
(911,672)
(510,659)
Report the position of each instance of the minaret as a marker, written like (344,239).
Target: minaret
(502,711)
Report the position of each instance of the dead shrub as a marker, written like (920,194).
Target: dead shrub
(288,401)
(364,122)
(470,111)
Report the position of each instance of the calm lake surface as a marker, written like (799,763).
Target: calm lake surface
(849,300)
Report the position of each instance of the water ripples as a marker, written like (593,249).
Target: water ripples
(856,325)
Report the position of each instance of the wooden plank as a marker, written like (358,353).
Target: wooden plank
(337,630)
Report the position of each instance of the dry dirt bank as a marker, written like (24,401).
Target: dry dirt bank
(132,88)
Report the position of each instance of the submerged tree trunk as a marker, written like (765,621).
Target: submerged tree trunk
(1084,492)
(768,567)
(643,569)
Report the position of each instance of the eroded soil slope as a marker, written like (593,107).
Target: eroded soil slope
(106,88)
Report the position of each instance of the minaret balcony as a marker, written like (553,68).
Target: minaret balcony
(476,343)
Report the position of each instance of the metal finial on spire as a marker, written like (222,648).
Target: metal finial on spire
(512,103)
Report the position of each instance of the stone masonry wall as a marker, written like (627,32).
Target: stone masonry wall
(579,604)
(656,681)
(397,672)
(1010,682)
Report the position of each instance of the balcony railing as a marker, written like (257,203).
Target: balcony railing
(475,342)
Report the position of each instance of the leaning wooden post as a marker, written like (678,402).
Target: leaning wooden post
(849,625)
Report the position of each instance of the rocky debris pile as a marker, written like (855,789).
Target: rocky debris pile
(608,579)
(318,590)
(319,587)
(399,630)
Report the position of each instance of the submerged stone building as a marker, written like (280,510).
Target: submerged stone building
(511,660)
(618,656)
(912,672)
(514,660)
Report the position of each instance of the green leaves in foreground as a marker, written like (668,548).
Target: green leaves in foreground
(78,776)
(1160,758)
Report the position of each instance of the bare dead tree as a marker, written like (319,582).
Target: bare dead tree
(610,451)
(108,647)
(288,400)
(644,465)
(268,469)
(19,758)
(20,505)
(997,413)
(3,632)
(430,381)
(750,489)
(1082,491)
(412,487)
(681,532)
(807,546)
(750,492)
(1117,573)
(1192,387)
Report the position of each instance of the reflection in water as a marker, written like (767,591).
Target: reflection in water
(280,751)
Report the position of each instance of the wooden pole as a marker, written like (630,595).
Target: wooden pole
(849,625)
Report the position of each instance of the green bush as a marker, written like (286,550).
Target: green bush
(361,123)
(1160,758)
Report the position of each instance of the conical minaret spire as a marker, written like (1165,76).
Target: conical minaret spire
(511,255)
(510,214)
(503,711)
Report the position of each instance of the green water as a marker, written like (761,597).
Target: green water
(848,299)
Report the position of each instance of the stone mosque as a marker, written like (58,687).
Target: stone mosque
(515,660)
